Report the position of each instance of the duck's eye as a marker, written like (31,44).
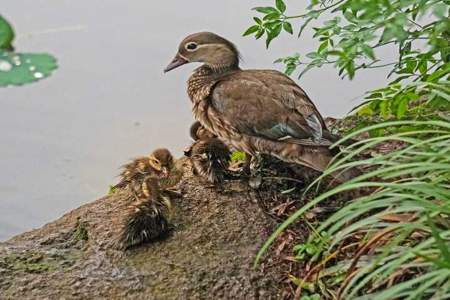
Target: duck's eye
(191,46)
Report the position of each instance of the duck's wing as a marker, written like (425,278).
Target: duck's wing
(268,104)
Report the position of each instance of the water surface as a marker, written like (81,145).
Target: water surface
(62,139)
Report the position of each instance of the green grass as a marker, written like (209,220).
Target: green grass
(401,227)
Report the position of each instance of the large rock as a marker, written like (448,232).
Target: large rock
(208,255)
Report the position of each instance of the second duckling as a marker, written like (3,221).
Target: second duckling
(209,156)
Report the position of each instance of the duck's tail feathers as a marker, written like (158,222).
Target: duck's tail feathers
(308,154)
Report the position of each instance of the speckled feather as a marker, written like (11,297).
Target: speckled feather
(146,216)
(255,111)
(149,209)
(208,154)
(240,108)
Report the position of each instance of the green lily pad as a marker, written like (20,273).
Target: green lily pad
(6,34)
(22,68)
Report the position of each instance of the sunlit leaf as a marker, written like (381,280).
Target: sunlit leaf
(251,29)
(280,5)
(288,27)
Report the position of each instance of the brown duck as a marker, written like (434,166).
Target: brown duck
(208,154)
(255,111)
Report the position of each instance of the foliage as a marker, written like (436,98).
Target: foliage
(21,68)
(313,246)
(402,228)
(353,33)
(237,156)
(6,34)
(392,239)
(112,190)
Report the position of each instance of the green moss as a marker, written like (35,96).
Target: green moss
(81,232)
(29,262)
(112,190)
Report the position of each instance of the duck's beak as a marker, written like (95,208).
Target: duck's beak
(175,63)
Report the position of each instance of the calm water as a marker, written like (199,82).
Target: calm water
(62,139)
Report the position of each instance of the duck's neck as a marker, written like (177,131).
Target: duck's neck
(220,69)
(204,77)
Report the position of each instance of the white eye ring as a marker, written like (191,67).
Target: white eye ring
(191,46)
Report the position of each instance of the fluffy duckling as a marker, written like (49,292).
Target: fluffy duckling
(147,216)
(158,164)
(148,181)
(209,156)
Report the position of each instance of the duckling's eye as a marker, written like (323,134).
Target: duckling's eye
(154,162)
(191,46)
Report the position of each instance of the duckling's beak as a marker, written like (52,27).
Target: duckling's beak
(175,63)
(165,172)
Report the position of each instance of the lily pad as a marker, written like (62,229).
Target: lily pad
(6,34)
(22,68)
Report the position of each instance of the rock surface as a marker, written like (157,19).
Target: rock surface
(208,255)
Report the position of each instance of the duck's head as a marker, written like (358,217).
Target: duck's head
(208,48)
(161,160)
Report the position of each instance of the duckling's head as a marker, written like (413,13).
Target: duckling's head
(161,160)
(198,132)
(206,47)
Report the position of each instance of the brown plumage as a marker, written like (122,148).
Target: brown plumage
(147,180)
(199,132)
(146,216)
(255,111)
(209,156)
(158,164)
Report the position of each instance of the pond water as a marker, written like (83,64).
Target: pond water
(62,139)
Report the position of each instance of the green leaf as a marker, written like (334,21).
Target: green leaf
(402,108)
(259,33)
(6,34)
(288,27)
(439,9)
(258,20)
(272,16)
(312,55)
(21,68)
(251,29)
(280,5)
(323,46)
(238,156)
(266,10)
(350,68)
(112,190)
(368,51)
(273,34)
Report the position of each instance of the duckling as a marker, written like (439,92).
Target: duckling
(158,164)
(148,181)
(198,132)
(209,156)
(147,216)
